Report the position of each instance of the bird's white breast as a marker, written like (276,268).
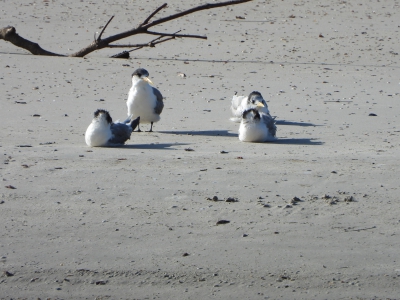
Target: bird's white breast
(97,135)
(254,132)
(141,103)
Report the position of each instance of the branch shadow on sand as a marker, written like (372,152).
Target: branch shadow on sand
(203,132)
(153,146)
(284,122)
(300,141)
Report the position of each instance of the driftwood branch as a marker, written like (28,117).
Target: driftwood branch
(192,10)
(9,33)
(152,43)
(104,28)
(153,14)
(178,35)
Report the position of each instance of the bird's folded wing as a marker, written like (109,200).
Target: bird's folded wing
(120,133)
(159,104)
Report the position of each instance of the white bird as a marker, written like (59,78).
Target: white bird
(257,127)
(241,103)
(144,100)
(103,132)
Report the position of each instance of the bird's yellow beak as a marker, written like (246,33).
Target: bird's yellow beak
(148,80)
(260,104)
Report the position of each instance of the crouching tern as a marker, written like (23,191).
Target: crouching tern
(144,100)
(103,132)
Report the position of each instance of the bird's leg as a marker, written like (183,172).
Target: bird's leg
(151,127)
(138,128)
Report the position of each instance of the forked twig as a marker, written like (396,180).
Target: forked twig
(104,28)
(153,14)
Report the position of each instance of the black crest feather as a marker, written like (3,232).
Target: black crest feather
(140,73)
(103,111)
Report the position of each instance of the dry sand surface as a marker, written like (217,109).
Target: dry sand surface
(134,222)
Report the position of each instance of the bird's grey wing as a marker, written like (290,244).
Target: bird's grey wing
(159,104)
(270,123)
(120,133)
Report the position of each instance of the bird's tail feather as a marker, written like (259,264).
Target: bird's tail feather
(135,123)
(128,120)
(236,119)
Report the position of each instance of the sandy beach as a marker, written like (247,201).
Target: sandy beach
(315,214)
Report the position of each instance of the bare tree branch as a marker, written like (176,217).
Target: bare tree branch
(9,33)
(104,28)
(149,44)
(153,14)
(177,35)
(192,10)
(152,43)
(160,37)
